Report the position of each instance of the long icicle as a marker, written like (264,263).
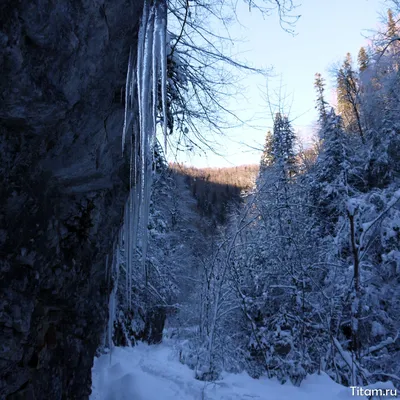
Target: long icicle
(128,115)
(113,297)
(147,131)
(162,27)
(132,242)
(140,56)
(127,249)
(142,83)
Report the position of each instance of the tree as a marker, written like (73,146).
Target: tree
(388,44)
(363,59)
(349,97)
(289,147)
(321,106)
(283,152)
(331,306)
(394,40)
(391,24)
(180,80)
(327,180)
(267,157)
(202,69)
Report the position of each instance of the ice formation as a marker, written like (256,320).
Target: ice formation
(143,80)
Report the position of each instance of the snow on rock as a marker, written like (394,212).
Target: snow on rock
(154,373)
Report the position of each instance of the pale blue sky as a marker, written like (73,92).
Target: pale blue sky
(326,31)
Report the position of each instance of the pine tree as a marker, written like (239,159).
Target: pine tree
(332,153)
(277,143)
(363,59)
(321,106)
(393,36)
(391,24)
(289,138)
(348,96)
(267,158)
(284,156)
(344,92)
(327,179)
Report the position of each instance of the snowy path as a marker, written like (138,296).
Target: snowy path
(153,373)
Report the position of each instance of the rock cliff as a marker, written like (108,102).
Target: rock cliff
(63,184)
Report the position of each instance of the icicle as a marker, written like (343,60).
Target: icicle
(136,193)
(140,56)
(107,269)
(147,131)
(128,116)
(131,241)
(107,279)
(113,297)
(151,64)
(163,53)
(127,250)
(155,68)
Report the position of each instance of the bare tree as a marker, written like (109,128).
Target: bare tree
(203,71)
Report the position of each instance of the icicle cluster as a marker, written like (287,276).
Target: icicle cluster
(142,83)
(112,305)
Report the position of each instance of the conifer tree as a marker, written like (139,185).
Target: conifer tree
(321,106)
(363,59)
(344,82)
(348,96)
(267,157)
(283,146)
(393,36)
(327,180)
(289,147)
(332,154)
(392,28)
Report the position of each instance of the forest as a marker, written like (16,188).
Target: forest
(291,267)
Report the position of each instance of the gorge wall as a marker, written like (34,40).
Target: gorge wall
(63,184)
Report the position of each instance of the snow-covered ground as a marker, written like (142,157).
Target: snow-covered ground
(154,373)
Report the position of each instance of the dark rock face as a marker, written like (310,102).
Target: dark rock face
(62,186)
